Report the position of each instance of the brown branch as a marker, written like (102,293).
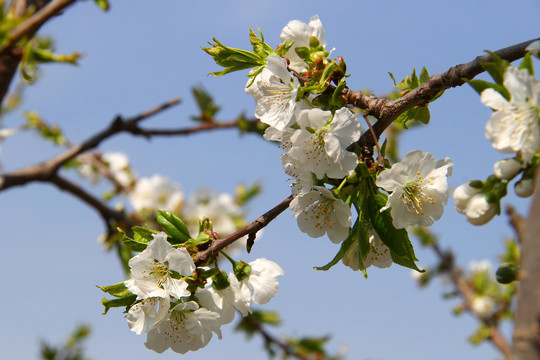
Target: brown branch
(467,294)
(205,126)
(527,324)
(106,212)
(252,228)
(47,169)
(516,221)
(33,23)
(386,111)
(287,349)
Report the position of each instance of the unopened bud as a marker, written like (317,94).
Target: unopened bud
(302,52)
(524,187)
(507,169)
(506,273)
(313,42)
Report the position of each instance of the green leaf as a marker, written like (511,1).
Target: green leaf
(495,68)
(117,290)
(259,46)
(233,59)
(424,75)
(141,237)
(176,229)
(527,63)
(201,239)
(397,240)
(103,4)
(205,102)
(422,115)
(110,303)
(481,85)
(364,246)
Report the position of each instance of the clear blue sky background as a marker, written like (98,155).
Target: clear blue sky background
(142,53)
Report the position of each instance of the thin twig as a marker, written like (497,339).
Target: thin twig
(386,111)
(517,222)
(287,349)
(43,171)
(252,228)
(106,212)
(205,126)
(467,294)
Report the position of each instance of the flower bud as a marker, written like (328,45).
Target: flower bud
(524,187)
(506,273)
(462,196)
(479,211)
(482,306)
(534,48)
(506,169)
(313,42)
(302,52)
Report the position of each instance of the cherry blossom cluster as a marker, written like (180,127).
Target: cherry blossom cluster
(513,128)
(316,134)
(178,307)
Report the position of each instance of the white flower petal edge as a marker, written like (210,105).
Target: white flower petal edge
(151,270)
(300,32)
(260,286)
(144,315)
(321,147)
(515,124)
(418,184)
(187,327)
(318,212)
(472,203)
(276,95)
(156,192)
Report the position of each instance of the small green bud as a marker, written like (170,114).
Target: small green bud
(477,184)
(241,270)
(302,52)
(220,281)
(313,42)
(352,179)
(507,273)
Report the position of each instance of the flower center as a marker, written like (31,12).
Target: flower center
(158,271)
(321,213)
(413,195)
(277,95)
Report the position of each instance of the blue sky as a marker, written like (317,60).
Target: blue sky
(142,53)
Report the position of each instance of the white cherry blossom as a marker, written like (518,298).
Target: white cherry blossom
(156,193)
(276,94)
(187,328)
(145,314)
(320,145)
(220,301)
(260,286)
(318,212)
(418,185)
(482,306)
(515,124)
(300,32)
(118,164)
(151,270)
